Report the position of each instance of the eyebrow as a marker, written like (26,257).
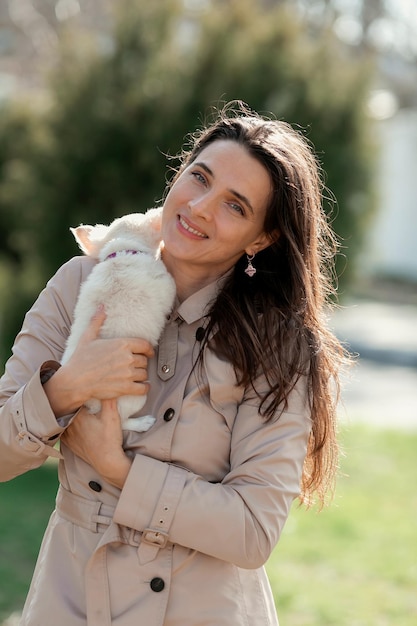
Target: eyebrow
(238,195)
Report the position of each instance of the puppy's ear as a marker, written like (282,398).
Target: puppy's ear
(152,223)
(153,218)
(90,238)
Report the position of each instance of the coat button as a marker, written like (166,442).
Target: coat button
(94,485)
(157,584)
(165,369)
(169,414)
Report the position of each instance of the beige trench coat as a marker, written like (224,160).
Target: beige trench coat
(209,491)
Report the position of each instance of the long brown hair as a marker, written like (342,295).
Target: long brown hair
(274,323)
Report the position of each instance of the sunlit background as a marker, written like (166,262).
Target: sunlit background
(381,33)
(95,93)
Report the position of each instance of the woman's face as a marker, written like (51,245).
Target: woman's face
(215,212)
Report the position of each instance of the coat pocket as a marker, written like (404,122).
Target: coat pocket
(225,394)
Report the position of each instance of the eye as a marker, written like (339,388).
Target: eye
(199,176)
(236,207)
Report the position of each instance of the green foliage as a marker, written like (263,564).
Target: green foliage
(100,149)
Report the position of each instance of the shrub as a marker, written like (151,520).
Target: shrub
(100,149)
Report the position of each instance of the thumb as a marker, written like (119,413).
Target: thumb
(93,329)
(109,409)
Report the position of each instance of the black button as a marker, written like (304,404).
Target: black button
(157,584)
(200,333)
(169,414)
(94,485)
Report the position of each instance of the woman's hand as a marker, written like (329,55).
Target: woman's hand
(98,440)
(99,368)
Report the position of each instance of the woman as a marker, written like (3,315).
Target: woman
(173,526)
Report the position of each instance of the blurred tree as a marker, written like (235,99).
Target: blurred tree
(20,132)
(100,150)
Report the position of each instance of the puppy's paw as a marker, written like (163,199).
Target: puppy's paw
(139,424)
(93,406)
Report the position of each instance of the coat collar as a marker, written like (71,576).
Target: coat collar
(198,304)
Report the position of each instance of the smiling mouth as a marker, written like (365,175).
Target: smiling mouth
(191,230)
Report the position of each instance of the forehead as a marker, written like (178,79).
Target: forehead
(224,149)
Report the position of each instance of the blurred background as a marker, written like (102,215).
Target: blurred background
(95,94)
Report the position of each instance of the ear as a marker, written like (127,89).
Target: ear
(263,241)
(81,235)
(89,238)
(154,218)
(151,231)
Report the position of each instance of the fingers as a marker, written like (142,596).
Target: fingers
(109,406)
(109,410)
(137,346)
(93,330)
(140,362)
(141,346)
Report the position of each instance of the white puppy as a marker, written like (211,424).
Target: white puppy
(132,282)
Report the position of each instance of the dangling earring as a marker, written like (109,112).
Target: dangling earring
(250,270)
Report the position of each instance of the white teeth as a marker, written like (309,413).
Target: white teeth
(191,230)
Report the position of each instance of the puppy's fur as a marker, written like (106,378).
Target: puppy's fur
(132,282)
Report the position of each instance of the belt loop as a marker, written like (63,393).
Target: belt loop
(83,512)
(97,518)
(133,538)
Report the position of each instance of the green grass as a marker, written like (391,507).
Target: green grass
(25,506)
(353,564)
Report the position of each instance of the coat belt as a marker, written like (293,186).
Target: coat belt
(98,518)
(92,515)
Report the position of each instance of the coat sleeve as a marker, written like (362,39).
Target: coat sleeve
(240,519)
(28,427)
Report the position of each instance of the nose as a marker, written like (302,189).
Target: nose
(201,205)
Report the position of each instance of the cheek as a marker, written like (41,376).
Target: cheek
(168,208)
(172,201)
(166,228)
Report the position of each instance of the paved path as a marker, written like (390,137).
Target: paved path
(381,389)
